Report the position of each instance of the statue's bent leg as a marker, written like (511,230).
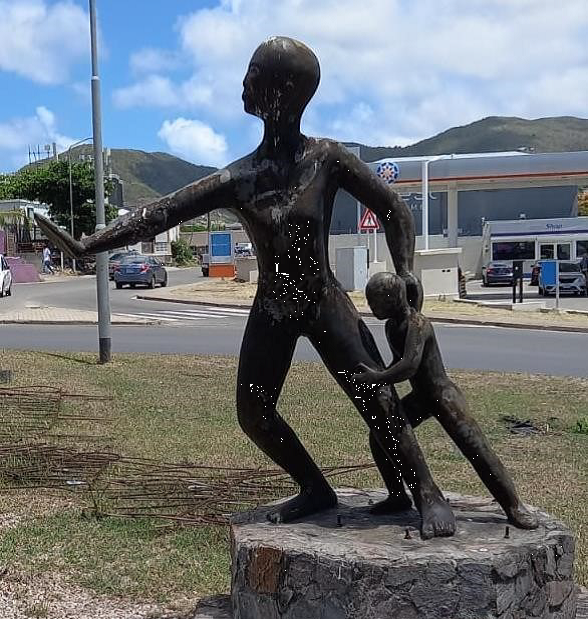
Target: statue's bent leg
(266,355)
(451,409)
(339,336)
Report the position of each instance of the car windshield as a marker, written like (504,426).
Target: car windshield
(569,267)
(134,260)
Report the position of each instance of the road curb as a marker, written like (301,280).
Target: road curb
(439,320)
(79,323)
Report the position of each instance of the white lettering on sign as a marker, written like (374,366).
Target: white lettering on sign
(554,226)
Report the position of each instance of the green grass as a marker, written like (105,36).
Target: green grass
(182,409)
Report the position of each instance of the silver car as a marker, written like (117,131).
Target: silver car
(136,269)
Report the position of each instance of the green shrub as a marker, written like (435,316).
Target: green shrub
(581,426)
(181,253)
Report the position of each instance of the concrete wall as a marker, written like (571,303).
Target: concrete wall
(470,259)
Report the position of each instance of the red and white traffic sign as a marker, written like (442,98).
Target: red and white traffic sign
(368,221)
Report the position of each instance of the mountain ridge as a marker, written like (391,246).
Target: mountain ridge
(147,176)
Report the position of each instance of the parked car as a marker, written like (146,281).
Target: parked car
(243,250)
(496,273)
(5,278)
(137,269)
(571,279)
(114,260)
(535,269)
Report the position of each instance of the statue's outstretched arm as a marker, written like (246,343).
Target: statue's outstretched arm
(209,193)
(357,179)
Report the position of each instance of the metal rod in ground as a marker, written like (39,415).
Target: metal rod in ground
(102,292)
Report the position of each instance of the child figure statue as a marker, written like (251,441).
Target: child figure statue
(416,357)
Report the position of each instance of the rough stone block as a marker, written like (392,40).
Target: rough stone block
(365,568)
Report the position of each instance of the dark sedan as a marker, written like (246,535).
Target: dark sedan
(114,261)
(496,273)
(137,269)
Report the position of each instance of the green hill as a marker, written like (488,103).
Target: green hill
(147,176)
(495,133)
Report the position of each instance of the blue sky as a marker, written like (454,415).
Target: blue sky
(393,71)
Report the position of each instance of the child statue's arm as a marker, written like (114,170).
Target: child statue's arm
(405,368)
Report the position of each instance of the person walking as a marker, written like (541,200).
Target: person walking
(47,266)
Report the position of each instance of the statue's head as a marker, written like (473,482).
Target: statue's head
(282,77)
(386,295)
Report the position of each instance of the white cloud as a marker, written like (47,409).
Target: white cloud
(152,91)
(18,134)
(194,140)
(151,60)
(160,91)
(41,41)
(394,70)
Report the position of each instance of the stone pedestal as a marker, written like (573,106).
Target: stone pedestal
(348,564)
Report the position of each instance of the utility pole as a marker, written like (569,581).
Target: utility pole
(102,292)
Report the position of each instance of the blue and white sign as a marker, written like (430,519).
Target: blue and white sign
(221,247)
(388,171)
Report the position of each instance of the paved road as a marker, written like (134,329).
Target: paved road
(481,348)
(80,293)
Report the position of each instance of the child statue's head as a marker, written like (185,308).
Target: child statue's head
(386,295)
(282,77)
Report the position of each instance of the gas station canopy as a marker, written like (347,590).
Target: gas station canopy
(506,170)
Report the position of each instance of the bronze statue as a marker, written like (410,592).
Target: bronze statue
(416,357)
(283,193)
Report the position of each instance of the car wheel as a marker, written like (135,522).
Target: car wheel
(541,292)
(9,291)
(164,282)
(151,283)
(1,292)
(119,285)
(132,285)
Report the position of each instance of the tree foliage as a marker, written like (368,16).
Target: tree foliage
(181,253)
(583,203)
(49,183)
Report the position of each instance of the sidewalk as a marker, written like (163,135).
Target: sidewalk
(64,316)
(222,292)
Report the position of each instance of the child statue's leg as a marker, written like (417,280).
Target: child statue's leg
(451,409)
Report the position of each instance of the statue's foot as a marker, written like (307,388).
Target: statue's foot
(521,517)
(437,519)
(391,505)
(306,503)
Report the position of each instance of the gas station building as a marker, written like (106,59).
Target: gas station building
(466,194)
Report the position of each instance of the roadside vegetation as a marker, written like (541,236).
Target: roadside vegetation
(180,409)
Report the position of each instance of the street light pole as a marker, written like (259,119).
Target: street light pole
(102,292)
(71,208)
(425,191)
